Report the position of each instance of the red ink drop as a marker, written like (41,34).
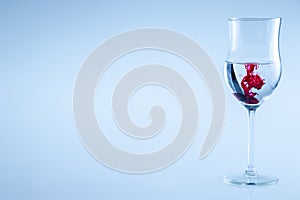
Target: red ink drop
(251,80)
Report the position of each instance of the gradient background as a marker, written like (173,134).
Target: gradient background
(42,47)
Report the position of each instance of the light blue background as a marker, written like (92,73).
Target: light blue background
(42,47)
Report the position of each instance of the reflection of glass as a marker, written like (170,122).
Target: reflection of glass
(250,194)
(253,70)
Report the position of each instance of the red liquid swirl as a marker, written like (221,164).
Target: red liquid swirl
(251,80)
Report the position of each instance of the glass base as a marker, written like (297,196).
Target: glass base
(256,180)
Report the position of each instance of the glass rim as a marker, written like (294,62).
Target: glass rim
(254,18)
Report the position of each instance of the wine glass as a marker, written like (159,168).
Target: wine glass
(252,71)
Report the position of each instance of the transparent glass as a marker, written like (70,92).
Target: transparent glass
(252,71)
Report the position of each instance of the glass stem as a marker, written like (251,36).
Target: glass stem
(250,170)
